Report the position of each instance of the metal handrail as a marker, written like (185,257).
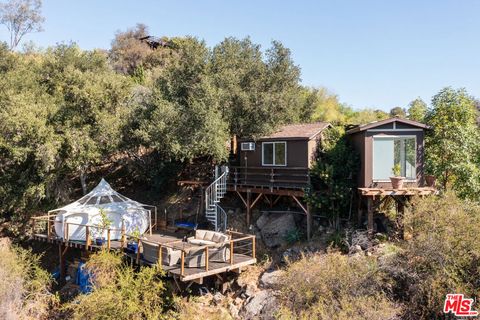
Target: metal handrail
(213,193)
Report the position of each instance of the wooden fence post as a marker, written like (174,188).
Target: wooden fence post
(108,239)
(138,250)
(253,247)
(231,251)
(87,236)
(182,267)
(206,258)
(48,228)
(160,255)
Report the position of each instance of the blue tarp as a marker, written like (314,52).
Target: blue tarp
(83,279)
(185,224)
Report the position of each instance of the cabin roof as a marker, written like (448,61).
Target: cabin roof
(375,124)
(306,131)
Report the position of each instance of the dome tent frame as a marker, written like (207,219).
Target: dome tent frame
(123,211)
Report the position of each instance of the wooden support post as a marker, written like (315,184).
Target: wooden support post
(400,217)
(359,212)
(249,195)
(124,237)
(87,237)
(61,254)
(231,252)
(206,258)
(309,222)
(370,215)
(48,228)
(253,247)
(139,241)
(108,239)
(182,263)
(160,260)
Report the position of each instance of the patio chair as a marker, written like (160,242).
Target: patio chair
(170,256)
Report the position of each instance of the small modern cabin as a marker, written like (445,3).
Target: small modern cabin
(381,146)
(275,166)
(384,144)
(280,160)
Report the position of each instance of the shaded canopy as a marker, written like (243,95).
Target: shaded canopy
(86,211)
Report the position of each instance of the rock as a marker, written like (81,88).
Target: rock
(270,307)
(217,298)
(262,220)
(250,290)
(355,249)
(360,238)
(254,307)
(271,279)
(233,310)
(277,227)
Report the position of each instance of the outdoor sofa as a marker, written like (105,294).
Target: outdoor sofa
(170,256)
(218,248)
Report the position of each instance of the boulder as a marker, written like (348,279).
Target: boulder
(262,306)
(276,229)
(254,307)
(271,279)
(262,220)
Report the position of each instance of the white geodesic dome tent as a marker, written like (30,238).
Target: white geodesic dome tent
(121,210)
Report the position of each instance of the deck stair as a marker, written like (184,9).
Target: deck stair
(213,195)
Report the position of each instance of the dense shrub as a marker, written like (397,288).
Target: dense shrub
(121,293)
(334,286)
(24,286)
(442,256)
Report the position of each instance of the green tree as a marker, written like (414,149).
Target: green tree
(398,112)
(92,106)
(257,91)
(453,144)
(321,105)
(333,175)
(21,17)
(417,110)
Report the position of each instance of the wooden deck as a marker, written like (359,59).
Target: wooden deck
(408,191)
(242,246)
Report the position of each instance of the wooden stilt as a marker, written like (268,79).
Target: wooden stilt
(309,222)
(370,215)
(61,253)
(359,212)
(249,195)
(400,217)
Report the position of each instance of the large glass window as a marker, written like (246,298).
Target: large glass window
(389,151)
(274,153)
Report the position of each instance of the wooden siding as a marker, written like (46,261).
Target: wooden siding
(363,143)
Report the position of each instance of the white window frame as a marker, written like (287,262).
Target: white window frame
(392,137)
(273,156)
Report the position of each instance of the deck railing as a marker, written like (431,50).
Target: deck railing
(239,243)
(47,227)
(270,177)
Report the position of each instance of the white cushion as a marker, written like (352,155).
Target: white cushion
(200,242)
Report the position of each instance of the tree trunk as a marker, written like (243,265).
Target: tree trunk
(83,181)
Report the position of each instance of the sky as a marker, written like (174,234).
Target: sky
(375,54)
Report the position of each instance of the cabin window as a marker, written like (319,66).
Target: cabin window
(391,150)
(274,153)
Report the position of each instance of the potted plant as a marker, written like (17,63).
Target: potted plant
(103,225)
(132,245)
(397,179)
(430,178)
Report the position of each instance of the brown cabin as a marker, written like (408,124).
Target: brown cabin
(383,144)
(279,160)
